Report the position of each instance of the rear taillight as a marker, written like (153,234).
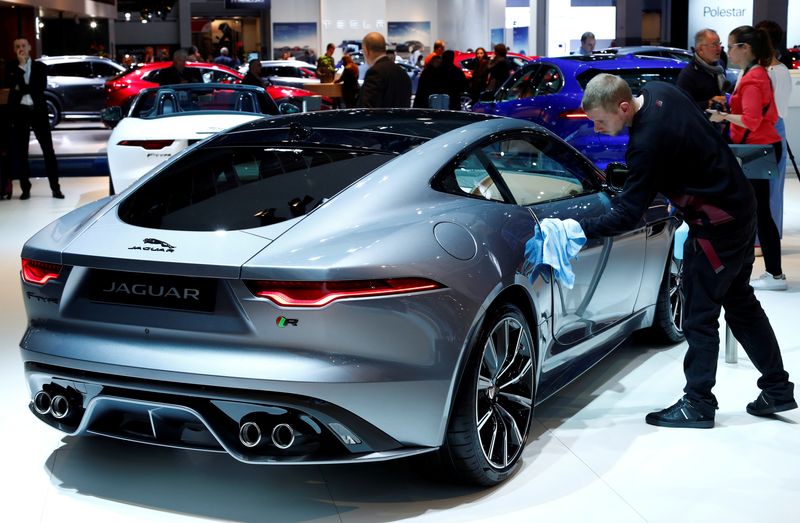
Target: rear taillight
(38,272)
(150,145)
(575,114)
(321,293)
(119,84)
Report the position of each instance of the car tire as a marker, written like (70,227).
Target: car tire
(668,322)
(466,102)
(53,112)
(493,408)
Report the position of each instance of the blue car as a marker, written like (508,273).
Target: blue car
(548,91)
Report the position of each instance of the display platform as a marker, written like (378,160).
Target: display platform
(591,457)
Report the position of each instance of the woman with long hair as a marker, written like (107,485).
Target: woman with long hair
(480,74)
(753,115)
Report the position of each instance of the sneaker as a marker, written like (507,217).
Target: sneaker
(768,282)
(765,405)
(684,414)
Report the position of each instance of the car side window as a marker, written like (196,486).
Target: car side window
(469,176)
(76,69)
(536,81)
(534,170)
(103,70)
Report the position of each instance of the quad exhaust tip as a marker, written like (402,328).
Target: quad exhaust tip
(42,402)
(59,407)
(283,436)
(251,435)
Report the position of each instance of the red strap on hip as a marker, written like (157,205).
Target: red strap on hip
(711,254)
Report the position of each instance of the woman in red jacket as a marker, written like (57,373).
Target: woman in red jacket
(752,116)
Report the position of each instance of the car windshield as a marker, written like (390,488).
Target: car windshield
(174,99)
(636,78)
(224,188)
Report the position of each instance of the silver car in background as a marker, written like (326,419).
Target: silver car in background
(343,286)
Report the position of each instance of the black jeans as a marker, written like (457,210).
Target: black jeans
(705,292)
(768,236)
(23,121)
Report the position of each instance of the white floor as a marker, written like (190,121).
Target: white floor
(591,457)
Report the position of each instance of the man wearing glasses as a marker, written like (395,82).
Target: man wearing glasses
(704,77)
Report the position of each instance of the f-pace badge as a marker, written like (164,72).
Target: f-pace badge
(283,321)
(157,246)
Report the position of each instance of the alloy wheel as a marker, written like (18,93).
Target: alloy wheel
(505,392)
(676,293)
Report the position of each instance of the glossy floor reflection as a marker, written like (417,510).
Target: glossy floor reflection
(591,457)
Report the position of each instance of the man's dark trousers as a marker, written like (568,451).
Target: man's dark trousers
(25,119)
(706,291)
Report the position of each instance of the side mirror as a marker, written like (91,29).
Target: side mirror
(486,97)
(287,108)
(616,174)
(111,116)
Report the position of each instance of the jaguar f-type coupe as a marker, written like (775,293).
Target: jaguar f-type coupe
(345,286)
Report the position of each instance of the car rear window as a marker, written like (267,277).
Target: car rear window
(636,78)
(195,99)
(223,188)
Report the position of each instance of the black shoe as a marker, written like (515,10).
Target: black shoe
(683,414)
(25,195)
(764,405)
(58,194)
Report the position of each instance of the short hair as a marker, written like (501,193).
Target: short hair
(223,50)
(180,53)
(438,44)
(605,91)
(701,34)
(253,61)
(331,46)
(585,36)
(374,42)
(500,50)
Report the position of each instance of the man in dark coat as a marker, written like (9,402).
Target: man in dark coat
(386,84)
(253,76)
(28,108)
(178,73)
(704,78)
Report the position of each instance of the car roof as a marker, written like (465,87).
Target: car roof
(576,64)
(74,58)
(419,124)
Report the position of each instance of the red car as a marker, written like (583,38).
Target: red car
(122,88)
(466,61)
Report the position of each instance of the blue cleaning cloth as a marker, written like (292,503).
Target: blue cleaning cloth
(555,243)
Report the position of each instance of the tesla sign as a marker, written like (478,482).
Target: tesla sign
(721,16)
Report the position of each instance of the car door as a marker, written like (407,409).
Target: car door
(73,80)
(553,181)
(95,96)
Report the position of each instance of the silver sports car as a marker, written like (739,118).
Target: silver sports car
(345,286)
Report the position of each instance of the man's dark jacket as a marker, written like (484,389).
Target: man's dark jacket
(35,88)
(386,84)
(700,83)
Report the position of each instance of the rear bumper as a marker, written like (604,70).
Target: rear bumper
(209,418)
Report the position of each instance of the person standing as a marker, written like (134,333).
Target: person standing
(326,69)
(28,109)
(673,151)
(782,84)
(588,41)
(499,69)
(704,78)
(480,74)
(438,50)
(178,73)
(253,76)
(224,58)
(753,116)
(386,84)
(349,81)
